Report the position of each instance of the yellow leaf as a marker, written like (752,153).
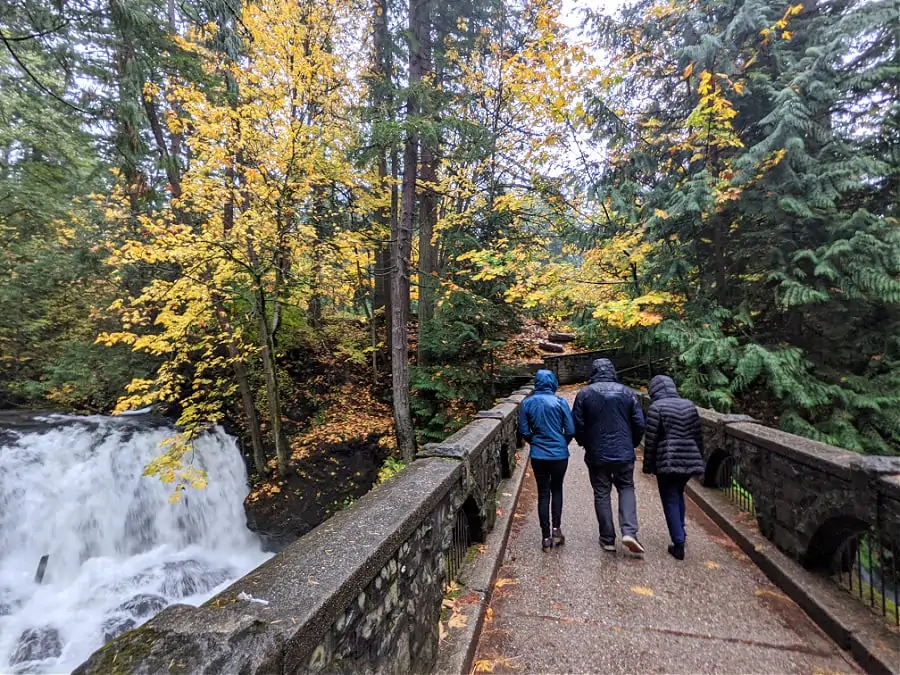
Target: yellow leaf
(712,565)
(483,666)
(787,35)
(739,87)
(687,71)
(458,621)
(642,590)
(505,582)
(659,213)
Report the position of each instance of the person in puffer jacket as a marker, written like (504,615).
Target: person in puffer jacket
(546,423)
(609,425)
(673,450)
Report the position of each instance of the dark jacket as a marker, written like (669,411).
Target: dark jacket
(609,422)
(545,420)
(674,443)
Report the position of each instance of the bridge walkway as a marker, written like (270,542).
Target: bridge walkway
(578,609)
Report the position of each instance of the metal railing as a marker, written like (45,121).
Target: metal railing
(866,566)
(728,479)
(459,546)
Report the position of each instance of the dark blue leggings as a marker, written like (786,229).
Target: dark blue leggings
(671,493)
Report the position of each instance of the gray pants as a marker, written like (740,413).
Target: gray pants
(603,477)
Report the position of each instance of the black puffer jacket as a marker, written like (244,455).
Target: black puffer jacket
(609,422)
(674,441)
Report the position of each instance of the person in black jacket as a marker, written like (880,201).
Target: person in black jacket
(609,424)
(673,450)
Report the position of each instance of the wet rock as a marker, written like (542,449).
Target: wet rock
(143,605)
(188,577)
(114,626)
(37,644)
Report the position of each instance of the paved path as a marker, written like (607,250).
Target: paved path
(577,609)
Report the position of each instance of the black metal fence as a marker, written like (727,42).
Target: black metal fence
(459,547)
(866,566)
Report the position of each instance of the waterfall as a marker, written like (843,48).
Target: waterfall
(72,488)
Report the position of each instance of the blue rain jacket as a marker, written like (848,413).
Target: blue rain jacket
(545,419)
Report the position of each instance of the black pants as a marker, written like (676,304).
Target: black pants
(549,475)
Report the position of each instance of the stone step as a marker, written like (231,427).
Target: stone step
(561,337)
(551,347)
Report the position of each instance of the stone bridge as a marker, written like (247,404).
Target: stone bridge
(427,570)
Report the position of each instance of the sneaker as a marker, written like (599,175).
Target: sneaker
(676,551)
(632,545)
(546,543)
(558,537)
(609,548)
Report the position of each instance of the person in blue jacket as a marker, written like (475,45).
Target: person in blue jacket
(546,423)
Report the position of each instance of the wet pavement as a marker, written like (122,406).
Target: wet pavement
(578,609)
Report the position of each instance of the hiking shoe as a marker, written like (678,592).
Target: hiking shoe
(546,543)
(609,548)
(676,551)
(632,544)
(558,537)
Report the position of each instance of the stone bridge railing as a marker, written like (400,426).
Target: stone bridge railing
(808,497)
(360,593)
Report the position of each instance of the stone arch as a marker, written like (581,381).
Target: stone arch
(474,520)
(714,466)
(828,538)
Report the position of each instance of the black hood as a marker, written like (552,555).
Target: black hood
(604,371)
(662,386)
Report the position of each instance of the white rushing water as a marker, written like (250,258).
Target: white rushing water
(118,550)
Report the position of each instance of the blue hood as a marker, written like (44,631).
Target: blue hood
(545,381)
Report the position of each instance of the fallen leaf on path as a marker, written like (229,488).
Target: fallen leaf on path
(469,598)
(483,666)
(489,614)
(457,621)
(766,593)
(712,565)
(738,554)
(505,582)
(616,629)
(557,605)
(642,590)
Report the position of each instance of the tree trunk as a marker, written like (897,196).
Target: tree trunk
(239,368)
(127,138)
(401,245)
(428,204)
(267,353)
(382,100)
